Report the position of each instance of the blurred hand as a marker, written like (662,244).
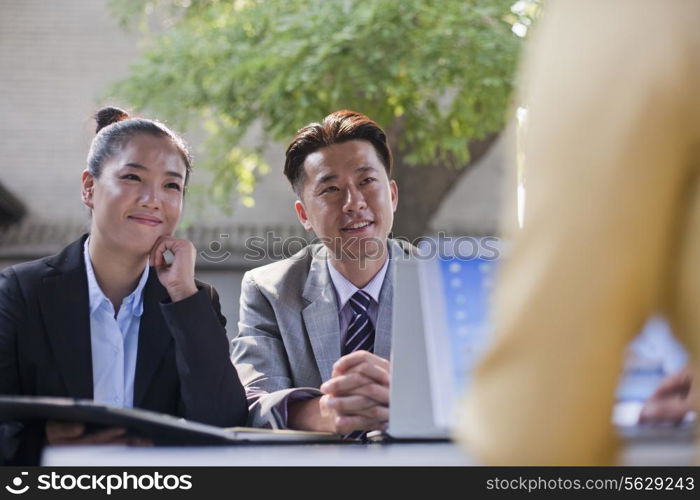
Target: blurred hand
(671,401)
(356,397)
(178,276)
(74,433)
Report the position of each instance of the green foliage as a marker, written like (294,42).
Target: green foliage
(436,74)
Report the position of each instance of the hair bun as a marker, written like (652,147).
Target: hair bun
(107,116)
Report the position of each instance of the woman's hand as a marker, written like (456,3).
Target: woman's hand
(178,276)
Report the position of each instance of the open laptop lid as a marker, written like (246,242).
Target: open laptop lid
(410,409)
(439,331)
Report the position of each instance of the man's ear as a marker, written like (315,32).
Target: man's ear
(394,189)
(87,188)
(301,214)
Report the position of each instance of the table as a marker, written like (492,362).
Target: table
(671,452)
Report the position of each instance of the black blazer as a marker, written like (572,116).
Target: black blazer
(182,365)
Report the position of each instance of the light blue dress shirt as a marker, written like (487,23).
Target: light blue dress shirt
(114,341)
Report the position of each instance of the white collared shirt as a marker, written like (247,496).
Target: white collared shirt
(114,341)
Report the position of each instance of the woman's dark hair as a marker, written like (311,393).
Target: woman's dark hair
(115,128)
(340,126)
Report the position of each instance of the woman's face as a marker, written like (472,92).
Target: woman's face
(138,196)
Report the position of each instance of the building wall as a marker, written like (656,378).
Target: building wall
(57,59)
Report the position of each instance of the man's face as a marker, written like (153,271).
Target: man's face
(139,194)
(348,200)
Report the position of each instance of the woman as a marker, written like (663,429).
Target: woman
(95,321)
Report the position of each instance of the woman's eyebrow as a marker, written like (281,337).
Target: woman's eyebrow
(170,173)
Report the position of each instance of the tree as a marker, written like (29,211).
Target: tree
(437,75)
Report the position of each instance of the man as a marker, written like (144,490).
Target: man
(315,329)
(612,230)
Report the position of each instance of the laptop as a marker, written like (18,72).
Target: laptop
(440,329)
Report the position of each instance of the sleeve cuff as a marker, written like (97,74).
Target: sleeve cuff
(201,294)
(281,409)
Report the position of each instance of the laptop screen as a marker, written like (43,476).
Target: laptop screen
(457,293)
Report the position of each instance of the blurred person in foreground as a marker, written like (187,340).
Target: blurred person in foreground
(612,229)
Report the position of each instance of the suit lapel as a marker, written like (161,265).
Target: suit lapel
(65,307)
(321,315)
(154,337)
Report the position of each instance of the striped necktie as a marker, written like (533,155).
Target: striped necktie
(360,333)
(360,336)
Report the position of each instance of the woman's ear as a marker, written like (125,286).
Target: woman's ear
(88,186)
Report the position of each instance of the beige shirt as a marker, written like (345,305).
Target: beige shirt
(611,231)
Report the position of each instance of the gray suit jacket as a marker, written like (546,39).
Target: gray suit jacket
(288,329)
